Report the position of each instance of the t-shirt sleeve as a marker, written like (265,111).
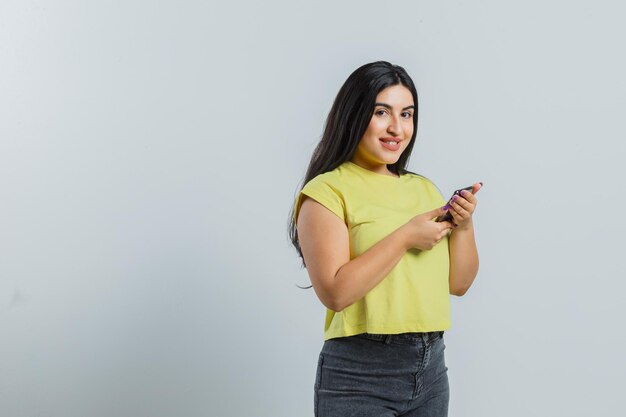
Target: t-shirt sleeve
(325,194)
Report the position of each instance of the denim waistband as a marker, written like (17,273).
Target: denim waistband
(402,338)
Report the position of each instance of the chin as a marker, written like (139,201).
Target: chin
(390,161)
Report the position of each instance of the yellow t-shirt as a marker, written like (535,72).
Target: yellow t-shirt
(414,296)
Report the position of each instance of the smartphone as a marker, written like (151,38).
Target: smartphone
(447,216)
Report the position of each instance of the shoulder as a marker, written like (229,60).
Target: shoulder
(426,185)
(327,189)
(421,179)
(335,179)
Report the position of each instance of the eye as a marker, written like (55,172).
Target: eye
(379,111)
(408,114)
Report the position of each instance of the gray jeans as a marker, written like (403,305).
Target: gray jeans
(381,375)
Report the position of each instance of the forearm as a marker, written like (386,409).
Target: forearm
(463,259)
(361,274)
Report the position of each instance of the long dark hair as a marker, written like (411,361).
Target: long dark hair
(347,122)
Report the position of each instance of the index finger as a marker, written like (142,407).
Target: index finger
(447,225)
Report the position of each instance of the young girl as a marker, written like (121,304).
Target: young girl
(378,260)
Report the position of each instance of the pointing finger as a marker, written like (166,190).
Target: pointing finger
(447,225)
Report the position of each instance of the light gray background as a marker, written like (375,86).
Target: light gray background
(150,153)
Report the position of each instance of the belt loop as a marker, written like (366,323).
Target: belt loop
(387,339)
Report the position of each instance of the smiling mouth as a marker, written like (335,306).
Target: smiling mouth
(391,140)
(391,145)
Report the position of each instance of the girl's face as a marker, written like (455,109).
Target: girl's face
(392,121)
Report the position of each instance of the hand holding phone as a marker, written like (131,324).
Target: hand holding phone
(447,216)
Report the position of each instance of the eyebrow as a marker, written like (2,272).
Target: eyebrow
(389,107)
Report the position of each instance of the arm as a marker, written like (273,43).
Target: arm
(462,245)
(463,259)
(338,281)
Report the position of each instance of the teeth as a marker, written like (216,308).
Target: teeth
(391,142)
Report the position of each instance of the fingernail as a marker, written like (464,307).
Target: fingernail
(455,197)
(446,207)
(462,192)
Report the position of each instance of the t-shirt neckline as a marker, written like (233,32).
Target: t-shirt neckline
(372,173)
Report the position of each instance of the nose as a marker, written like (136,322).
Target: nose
(395,127)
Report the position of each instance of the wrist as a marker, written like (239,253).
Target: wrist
(403,237)
(464,227)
